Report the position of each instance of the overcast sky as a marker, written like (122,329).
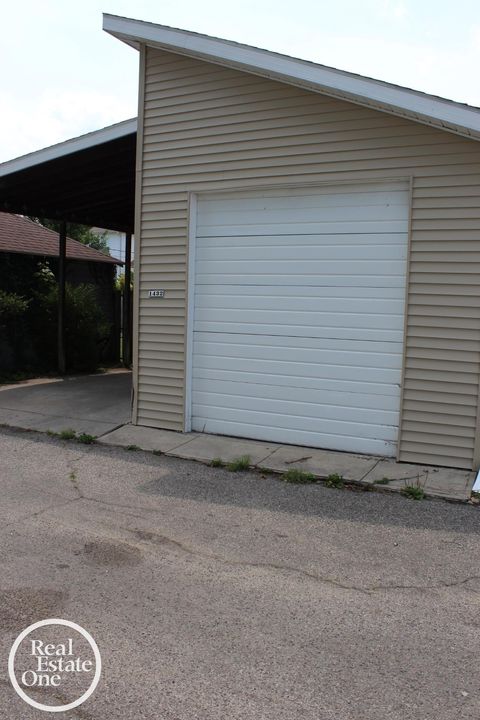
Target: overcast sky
(61,75)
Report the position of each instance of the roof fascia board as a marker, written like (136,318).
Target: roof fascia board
(423,108)
(83,142)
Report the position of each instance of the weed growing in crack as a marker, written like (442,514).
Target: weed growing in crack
(414,492)
(132,448)
(334,481)
(297,477)
(217,462)
(68,434)
(86,439)
(239,464)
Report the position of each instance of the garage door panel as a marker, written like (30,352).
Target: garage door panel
(308,437)
(318,293)
(376,335)
(324,398)
(317,252)
(312,268)
(326,306)
(354,226)
(295,408)
(298,200)
(299,315)
(313,331)
(305,318)
(254,279)
(298,369)
(209,223)
(301,241)
(245,347)
(317,383)
(338,428)
(383,354)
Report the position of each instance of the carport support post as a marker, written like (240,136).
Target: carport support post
(127,329)
(62,254)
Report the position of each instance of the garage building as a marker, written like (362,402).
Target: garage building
(315,236)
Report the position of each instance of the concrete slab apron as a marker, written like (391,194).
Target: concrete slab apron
(151,439)
(321,462)
(435,481)
(439,481)
(207,447)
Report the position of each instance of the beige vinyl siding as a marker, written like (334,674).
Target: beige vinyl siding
(206,128)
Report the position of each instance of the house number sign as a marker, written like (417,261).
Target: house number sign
(156,293)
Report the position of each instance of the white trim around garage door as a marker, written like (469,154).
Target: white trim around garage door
(192,235)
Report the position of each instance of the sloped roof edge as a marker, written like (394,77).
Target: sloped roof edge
(82,142)
(394,99)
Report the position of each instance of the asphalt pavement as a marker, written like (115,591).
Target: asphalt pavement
(218,595)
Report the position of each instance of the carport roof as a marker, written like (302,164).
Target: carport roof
(89,179)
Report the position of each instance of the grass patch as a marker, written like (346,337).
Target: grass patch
(382,481)
(296,476)
(86,439)
(334,481)
(132,448)
(68,434)
(217,462)
(239,464)
(414,492)
(158,452)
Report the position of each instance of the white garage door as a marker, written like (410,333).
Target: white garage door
(298,315)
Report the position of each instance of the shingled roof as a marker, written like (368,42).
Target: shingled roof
(21,235)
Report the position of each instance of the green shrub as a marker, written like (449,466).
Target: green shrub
(13,334)
(86,330)
(11,306)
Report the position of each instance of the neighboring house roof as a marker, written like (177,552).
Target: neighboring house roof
(420,107)
(21,235)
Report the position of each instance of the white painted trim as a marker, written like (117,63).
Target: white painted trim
(83,142)
(192,235)
(446,114)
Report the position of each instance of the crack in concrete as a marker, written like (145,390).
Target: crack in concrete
(153,537)
(369,471)
(148,536)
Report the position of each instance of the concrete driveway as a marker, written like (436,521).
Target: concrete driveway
(93,404)
(216,595)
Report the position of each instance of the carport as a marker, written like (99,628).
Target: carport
(88,180)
